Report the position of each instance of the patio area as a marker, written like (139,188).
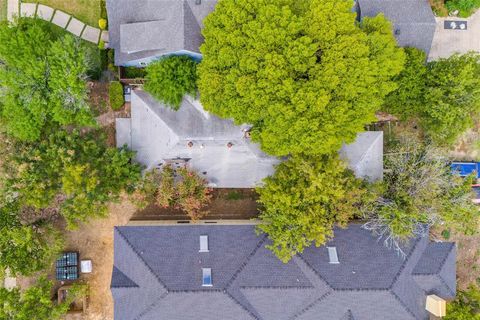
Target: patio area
(447,42)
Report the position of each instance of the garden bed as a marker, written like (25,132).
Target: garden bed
(227,204)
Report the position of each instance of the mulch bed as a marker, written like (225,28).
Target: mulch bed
(227,204)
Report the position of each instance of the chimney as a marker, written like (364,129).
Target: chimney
(436,306)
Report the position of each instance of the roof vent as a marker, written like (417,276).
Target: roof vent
(332,255)
(229,145)
(397,32)
(197,2)
(436,306)
(203,244)
(206,277)
(190,144)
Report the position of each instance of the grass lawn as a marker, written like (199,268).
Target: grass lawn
(3,10)
(88,11)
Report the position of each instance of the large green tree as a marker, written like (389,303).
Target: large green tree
(76,170)
(443,95)
(304,199)
(452,97)
(35,303)
(42,78)
(303,73)
(25,246)
(408,99)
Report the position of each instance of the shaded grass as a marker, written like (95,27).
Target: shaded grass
(88,11)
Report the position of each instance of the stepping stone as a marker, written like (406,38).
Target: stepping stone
(28,10)
(61,19)
(75,27)
(12,9)
(45,12)
(104,37)
(91,34)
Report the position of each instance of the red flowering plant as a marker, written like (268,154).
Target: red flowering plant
(184,189)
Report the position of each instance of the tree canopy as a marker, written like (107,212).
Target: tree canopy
(443,95)
(170,78)
(35,302)
(43,80)
(466,306)
(418,191)
(77,170)
(304,199)
(303,73)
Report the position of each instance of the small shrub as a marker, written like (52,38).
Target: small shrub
(102,24)
(101,45)
(116,95)
(134,73)
(464,7)
(185,190)
(438,7)
(446,234)
(465,306)
(169,79)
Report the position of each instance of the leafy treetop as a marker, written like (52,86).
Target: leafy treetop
(304,199)
(35,302)
(444,95)
(169,79)
(418,191)
(43,79)
(303,73)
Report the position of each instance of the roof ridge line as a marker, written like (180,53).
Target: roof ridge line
(244,264)
(314,271)
(407,259)
(149,107)
(150,307)
(446,285)
(241,305)
(403,304)
(442,264)
(308,307)
(364,154)
(141,259)
(276,288)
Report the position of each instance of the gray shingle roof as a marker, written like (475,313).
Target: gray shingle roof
(148,28)
(413,20)
(370,282)
(158,133)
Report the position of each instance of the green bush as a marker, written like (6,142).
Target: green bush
(169,79)
(464,7)
(115,92)
(466,306)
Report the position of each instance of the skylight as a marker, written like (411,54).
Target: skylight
(332,255)
(203,244)
(206,277)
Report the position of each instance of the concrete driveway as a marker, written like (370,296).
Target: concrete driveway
(447,42)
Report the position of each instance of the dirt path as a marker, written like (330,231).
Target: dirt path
(95,241)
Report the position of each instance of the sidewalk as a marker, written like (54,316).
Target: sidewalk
(447,42)
(13,7)
(57,17)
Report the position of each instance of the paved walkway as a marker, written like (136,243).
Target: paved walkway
(57,17)
(447,42)
(13,7)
